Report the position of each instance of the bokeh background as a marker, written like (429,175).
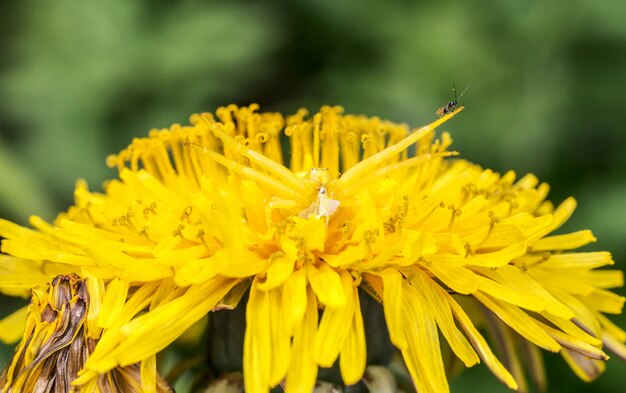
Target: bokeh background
(79,80)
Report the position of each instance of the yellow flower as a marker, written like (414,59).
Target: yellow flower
(202,214)
(59,335)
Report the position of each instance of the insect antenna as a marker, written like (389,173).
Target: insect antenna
(455,99)
(454,90)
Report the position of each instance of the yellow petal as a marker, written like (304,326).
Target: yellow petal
(180,256)
(519,321)
(509,295)
(431,296)
(576,344)
(254,200)
(392,305)
(280,339)
(113,302)
(302,371)
(606,278)
(11,230)
(17,276)
(12,326)
(95,288)
(458,278)
(200,270)
(449,242)
(294,299)
(560,215)
(423,353)
(257,347)
(348,256)
(554,279)
(243,263)
(130,269)
(226,262)
(523,285)
(166,291)
(335,326)
(573,330)
(314,233)
(417,243)
(491,259)
(353,354)
(568,241)
(481,346)
(165,246)
(163,325)
(141,299)
(327,285)
(584,316)
(280,267)
(578,260)
(148,374)
(502,236)
(605,301)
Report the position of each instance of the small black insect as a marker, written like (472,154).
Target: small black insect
(450,106)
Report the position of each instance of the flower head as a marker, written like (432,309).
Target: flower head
(60,333)
(202,214)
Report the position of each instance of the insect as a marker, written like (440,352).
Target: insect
(450,106)
(324,205)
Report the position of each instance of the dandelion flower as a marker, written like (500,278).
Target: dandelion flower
(205,215)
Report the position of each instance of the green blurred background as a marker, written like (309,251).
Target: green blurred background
(78,81)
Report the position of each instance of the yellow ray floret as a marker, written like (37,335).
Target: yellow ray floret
(299,216)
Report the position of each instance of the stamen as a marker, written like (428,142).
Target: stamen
(469,190)
(317,119)
(390,225)
(369,145)
(370,237)
(468,250)
(259,159)
(292,132)
(253,174)
(179,231)
(330,158)
(493,220)
(512,205)
(349,150)
(184,216)
(455,213)
(200,236)
(144,233)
